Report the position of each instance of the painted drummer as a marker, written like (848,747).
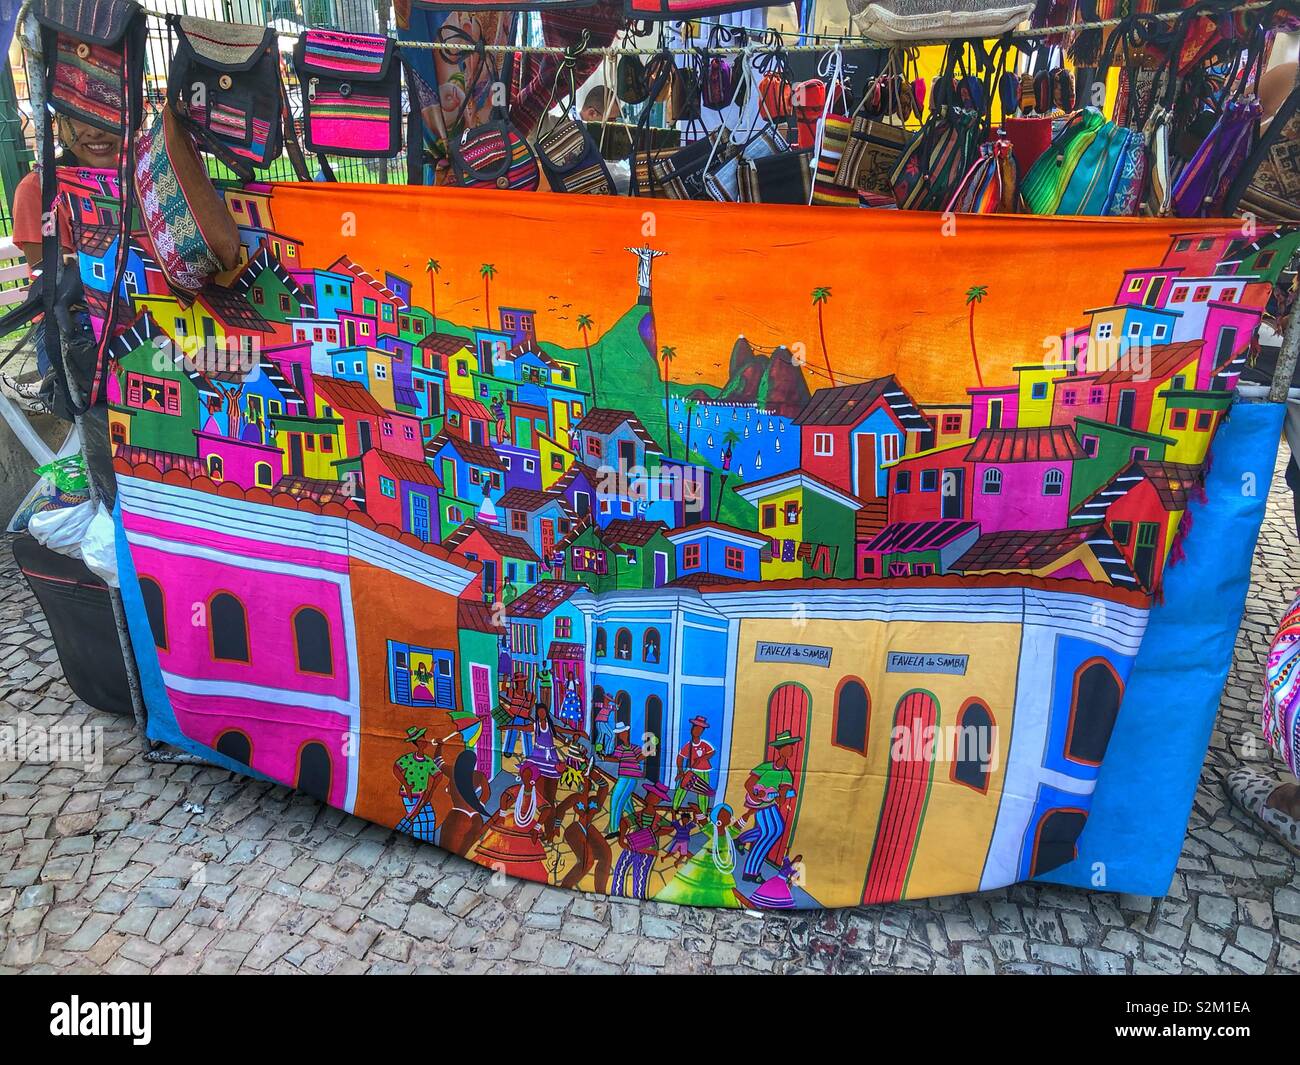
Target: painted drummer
(695,767)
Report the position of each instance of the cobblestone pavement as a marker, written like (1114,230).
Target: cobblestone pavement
(173,869)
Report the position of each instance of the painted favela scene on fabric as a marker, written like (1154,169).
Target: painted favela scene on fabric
(617,551)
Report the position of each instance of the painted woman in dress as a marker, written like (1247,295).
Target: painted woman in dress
(776,893)
(512,840)
(709,878)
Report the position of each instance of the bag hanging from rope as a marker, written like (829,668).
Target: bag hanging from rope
(1268,184)
(193,234)
(225,83)
(991,185)
(1091,168)
(495,155)
(93,55)
(352,98)
(566,150)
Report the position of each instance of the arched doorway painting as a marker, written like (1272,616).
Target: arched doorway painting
(314,771)
(235,746)
(654,725)
(1056,839)
(787,711)
(907,791)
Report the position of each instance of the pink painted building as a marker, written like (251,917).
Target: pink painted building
(1021,478)
(244,462)
(233,614)
(993,407)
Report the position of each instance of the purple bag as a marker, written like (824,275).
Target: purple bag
(1203,185)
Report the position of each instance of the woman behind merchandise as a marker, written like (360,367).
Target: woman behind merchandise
(83,145)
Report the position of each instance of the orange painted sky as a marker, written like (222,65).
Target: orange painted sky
(897,283)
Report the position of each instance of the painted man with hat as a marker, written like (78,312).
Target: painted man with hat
(695,767)
(417,771)
(768,790)
(638,837)
(630,760)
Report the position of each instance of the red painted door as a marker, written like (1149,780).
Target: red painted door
(787,711)
(907,790)
(866,466)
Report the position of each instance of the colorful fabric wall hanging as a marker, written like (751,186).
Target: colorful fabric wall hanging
(665,556)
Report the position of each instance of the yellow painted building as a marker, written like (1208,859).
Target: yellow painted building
(1037,392)
(1189,419)
(780,516)
(310,446)
(460,370)
(1183,374)
(554,457)
(834,781)
(379,373)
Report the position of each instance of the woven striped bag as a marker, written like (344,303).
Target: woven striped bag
(192,232)
(352,93)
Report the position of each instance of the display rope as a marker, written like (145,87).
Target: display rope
(773,37)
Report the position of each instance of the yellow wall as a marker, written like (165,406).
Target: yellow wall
(316,463)
(1158,401)
(546,447)
(842,791)
(1103,353)
(381,387)
(776,569)
(462,386)
(1191,446)
(1033,413)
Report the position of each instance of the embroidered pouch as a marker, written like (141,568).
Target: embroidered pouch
(352,93)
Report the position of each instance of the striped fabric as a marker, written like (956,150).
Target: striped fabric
(1282,690)
(358,121)
(496,157)
(88,88)
(828,189)
(346,54)
(989,186)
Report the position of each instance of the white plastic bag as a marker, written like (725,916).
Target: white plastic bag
(99,548)
(62,530)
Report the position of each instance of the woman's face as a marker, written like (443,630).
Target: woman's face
(90,144)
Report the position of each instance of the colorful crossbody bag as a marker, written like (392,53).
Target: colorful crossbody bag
(494,154)
(352,93)
(89,47)
(828,189)
(225,82)
(193,234)
(571,161)
(723,183)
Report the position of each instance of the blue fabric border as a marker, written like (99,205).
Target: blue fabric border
(161,719)
(1135,832)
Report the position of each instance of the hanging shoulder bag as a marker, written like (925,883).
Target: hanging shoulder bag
(225,83)
(192,232)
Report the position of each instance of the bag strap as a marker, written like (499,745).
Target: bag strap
(1276,126)
(133,61)
(662,72)
(564,70)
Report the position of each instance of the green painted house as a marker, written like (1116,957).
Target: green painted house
(158,389)
(1109,448)
(629,553)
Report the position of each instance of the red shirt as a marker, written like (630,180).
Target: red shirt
(27,214)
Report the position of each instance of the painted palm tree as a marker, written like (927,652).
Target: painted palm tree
(433,268)
(821,296)
(666,356)
(584,327)
(730,439)
(975,294)
(487,272)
